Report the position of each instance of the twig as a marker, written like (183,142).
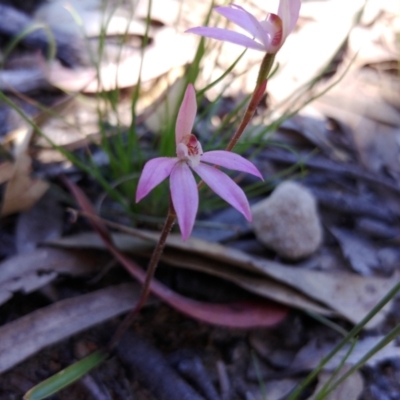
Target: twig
(153,370)
(224,383)
(191,367)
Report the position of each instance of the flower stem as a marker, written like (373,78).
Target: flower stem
(155,258)
(265,68)
(251,109)
(259,91)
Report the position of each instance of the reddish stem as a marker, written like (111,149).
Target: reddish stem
(155,258)
(251,109)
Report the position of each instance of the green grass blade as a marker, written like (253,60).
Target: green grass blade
(355,331)
(94,172)
(201,92)
(65,377)
(52,45)
(323,393)
(381,344)
(259,376)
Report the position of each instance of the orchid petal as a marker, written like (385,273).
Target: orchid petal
(225,187)
(154,172)
(227,36)
(289,11)
(185,197)
(186,115)
(239,16)
(230,160)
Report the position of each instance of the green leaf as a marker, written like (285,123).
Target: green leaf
(65,377)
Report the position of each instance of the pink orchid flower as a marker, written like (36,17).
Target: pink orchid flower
(267,35)
(183,186)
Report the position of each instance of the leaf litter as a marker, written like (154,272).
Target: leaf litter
(356,134)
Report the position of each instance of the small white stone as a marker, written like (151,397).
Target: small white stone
(288,222)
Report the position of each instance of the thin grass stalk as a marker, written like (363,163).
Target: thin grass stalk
(69,156)
(355,331)
(382,343)
(325,388)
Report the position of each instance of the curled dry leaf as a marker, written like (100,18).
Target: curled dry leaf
(328,293)
(256,284)
(27,335)
(22,191)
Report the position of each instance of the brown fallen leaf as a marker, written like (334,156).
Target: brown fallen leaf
(30,271)
(361,254)
(257,284)
(346,294)
(350,295)
(351,388)
(260,285)
(32,228)
(126,72)
(22,191)
(312,353)
(6,171)
(27,335)
(275,389)
(23,80)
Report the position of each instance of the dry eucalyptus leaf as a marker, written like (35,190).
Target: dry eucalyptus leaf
(22,191)
(275,389)
(126,72)
(6,171)
(362,347)
(260,285)
(311,355)
(32,228)
(368,102)
(28,335)
(349,295)
(97,19)
(361,254)
(23,80)
(30,271)
(351,388)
